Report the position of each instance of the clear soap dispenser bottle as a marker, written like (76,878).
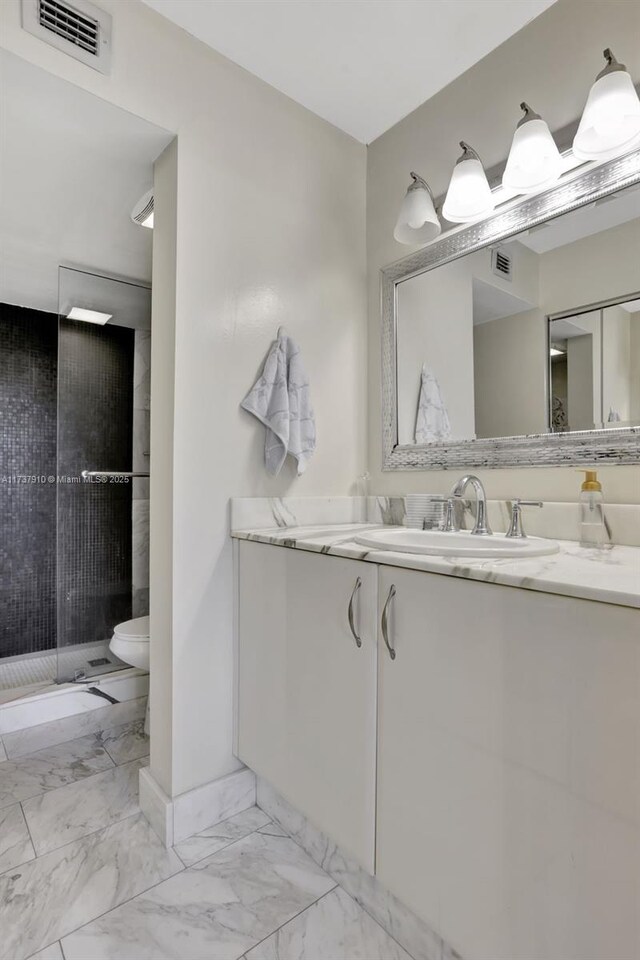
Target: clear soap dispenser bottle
(593,530)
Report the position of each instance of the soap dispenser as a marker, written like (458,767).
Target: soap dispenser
(593,531)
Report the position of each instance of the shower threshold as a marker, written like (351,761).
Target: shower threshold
(31,706)
(21,676)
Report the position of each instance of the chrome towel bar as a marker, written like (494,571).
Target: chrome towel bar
(86,474)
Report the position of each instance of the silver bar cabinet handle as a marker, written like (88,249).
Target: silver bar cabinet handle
(385,622)
(350,613)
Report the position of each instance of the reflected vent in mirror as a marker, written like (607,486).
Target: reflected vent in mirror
(501,264)
(80,29)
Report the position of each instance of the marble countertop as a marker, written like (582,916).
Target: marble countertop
(611,576)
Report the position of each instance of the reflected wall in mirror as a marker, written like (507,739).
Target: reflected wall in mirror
(538,333)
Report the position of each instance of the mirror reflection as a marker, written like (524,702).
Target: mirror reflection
(539,334)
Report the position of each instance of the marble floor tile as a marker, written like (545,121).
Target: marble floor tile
(416,936)
(334,926)
(214,838)
(52,952)
(15,842)
(51,768)
(49,897)
(28,740)
(273,830)
(126,742)
(78,809)
(216,910)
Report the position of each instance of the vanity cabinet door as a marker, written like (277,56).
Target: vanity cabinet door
(307,691)
(439,831)
(508,794)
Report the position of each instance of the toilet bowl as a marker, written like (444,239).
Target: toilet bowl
(130,642)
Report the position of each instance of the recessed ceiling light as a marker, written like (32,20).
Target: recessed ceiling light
(89,316)
(556,353)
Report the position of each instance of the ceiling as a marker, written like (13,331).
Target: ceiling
(362,65)
(492,303)
(76,166)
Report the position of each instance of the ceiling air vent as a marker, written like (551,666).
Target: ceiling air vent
(79,29)
(501,264)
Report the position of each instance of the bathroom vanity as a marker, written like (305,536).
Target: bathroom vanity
(465,729)
(468,733)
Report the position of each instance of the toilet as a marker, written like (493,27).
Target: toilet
(130,642)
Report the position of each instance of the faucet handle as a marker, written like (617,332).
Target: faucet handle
(450,523)
(516,530)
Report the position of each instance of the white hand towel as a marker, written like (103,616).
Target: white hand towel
(432,421)
(280,400)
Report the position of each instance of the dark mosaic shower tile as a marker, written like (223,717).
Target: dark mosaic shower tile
(90,378)
(95,399)
(28,359)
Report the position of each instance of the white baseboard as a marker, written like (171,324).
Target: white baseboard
(156,806)
(175,819)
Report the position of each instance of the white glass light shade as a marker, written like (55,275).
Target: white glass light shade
(534,160)
(417,221)
(469,195)
(611,119)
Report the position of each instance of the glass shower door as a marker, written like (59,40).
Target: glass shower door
(97,423)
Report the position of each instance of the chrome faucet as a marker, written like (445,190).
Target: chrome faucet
(481,527)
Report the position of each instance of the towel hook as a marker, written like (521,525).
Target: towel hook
(281,332)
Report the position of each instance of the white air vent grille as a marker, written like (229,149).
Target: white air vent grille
(70,24)
(80,29)
(501,264)
(139,216)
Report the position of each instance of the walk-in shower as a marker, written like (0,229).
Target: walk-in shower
(74,523)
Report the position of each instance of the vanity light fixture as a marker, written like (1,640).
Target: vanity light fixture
(611,117)
(469,195)
(417,221)
(89,316)
(555,352)
(534,161)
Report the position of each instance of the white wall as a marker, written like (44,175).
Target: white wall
(634,371)
(510,360)
(270,229)
(161,512)
(99,162)
(482,107)
(616,363)
(601,267)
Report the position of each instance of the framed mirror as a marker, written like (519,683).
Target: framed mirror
(515,341)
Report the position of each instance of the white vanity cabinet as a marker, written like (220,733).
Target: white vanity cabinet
(306,691)
(503,805)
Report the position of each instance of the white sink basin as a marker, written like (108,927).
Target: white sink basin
(433,543)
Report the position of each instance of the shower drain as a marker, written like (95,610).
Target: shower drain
(100,662)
